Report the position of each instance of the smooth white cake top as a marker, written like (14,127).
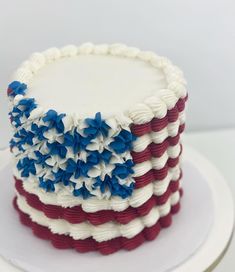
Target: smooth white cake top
(88,84)
(115,80)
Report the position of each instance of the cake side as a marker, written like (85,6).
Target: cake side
(129,165)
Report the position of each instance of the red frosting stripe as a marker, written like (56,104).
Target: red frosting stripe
(76,215)
(181,103)
(148,154)
(157,124)
(181,128)
(154,150)
(155,174)
(173,114)
(89,244)
(140,130)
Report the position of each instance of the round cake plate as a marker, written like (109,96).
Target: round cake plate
(199,235)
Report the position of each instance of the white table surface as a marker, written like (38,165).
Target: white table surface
(219,147)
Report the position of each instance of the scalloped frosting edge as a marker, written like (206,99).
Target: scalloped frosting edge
(155,105)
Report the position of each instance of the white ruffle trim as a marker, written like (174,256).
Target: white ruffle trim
(154,106)
(104,231)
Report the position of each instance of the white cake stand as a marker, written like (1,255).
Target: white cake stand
(198,237)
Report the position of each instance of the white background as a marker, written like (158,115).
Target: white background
(198,36)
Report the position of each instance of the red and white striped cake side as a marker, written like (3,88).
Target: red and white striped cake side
(134,224)
(110,224)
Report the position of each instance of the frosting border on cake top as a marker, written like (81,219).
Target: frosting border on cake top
(155,105)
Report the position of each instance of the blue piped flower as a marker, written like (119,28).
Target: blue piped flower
(122,142)
(111,184)
(76,141)
(15,88)
(39,131)
(79,168)
(95,157)
(125,191)
(62,176)
(17,143)
(12,143)
(18,139)
(82,191)
(123,170)
(96,126)
(23,108)
(25,136)
(27,166)
(15,116)
(57,149)
(15,120)
(41,158)
(28,105)
(16,111)
(47,185)
(54,120)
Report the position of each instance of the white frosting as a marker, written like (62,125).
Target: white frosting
(158,137)
(156,163)
(127,85)
(63,196)
(104,231)
(94,83)
(114,79)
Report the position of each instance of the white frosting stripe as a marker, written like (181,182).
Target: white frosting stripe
(171,130)
(64,198)
(157,163)
(102,232)
(174,76)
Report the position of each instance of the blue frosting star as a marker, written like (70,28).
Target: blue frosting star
(57,149)
(76,141)
(123,170)
(15,120)
(15,116)
(125,191)
(47,185)
(95,157)
(122,142)
(28,105)
(15,88)
(18,143)
(16,110)
(96,126)
(25,136)
(55,120)
(111,184)
(79,168)
(27,166)
(23,108)
(39,131)
(41,158)
(82,191)
(62,176)
(12,143)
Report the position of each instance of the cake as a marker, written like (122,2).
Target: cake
(96,145)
